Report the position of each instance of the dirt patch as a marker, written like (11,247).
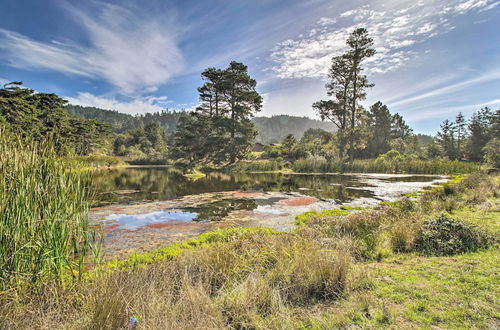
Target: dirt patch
(299,201)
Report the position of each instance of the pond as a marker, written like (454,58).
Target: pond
(142,208)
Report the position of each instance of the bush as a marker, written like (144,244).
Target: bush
(447,236)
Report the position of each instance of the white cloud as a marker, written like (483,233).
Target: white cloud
(134,106)
(489,76)
(133,52)
(393,26)
(452,110)
(3,81)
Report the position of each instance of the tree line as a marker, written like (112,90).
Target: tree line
(220,130)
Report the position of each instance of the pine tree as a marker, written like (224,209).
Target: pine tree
(461,132)
(360,48)
(479,126)
(446,138)
(347,86)
(380,124)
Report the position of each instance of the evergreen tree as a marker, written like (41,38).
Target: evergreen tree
(479,128)
(347,86)
(289,144)
(19,111)
(380,125)
(446,138)
(228,100)
(360,48)
(461,134)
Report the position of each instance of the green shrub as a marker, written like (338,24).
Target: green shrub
(447,236)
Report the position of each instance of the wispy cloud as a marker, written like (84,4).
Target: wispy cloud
(489,76)
(132,51)
(452,110)
(395,27)
(133,106)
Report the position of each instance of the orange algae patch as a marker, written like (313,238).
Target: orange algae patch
(299,201)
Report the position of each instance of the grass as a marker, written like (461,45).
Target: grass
(338,269)
(195,175)
(92,161)
(43,214)
(262,165)
(412,166)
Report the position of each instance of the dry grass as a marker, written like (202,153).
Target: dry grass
(334,271)
(236,284)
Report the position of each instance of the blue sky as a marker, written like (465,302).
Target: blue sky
(434,57)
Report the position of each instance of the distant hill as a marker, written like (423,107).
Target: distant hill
(274,129)
(122,122)
(270,129)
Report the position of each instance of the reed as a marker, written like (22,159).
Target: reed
(43,214)
(259,166)
(410,166)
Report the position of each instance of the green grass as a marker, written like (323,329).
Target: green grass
(411,166)
(195,175)
(43,214)
(305,218)
(262,165)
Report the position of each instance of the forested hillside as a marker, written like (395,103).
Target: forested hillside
(270,129)
(274,129)
(122,122)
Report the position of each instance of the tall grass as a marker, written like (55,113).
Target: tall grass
(263,165)
(43,219)
(411,166)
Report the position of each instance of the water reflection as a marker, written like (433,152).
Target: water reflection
(144,184)
(136,221)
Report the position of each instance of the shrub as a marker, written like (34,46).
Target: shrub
(447,236)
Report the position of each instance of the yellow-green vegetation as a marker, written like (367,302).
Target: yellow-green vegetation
(262,165)
(195,175)
(172,251)
(83,163)
(411,166)
(338,269)
(306,217)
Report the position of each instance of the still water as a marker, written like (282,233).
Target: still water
(140,209)
(131,185)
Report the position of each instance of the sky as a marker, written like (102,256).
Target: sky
(434,57)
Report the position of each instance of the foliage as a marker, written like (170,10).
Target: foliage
(347,85)
(224,132)
(447,236)
(40,115)
(122,122)
(492,152)
(148,143)
(274,129)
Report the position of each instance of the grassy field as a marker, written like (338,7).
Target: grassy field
(430,261)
